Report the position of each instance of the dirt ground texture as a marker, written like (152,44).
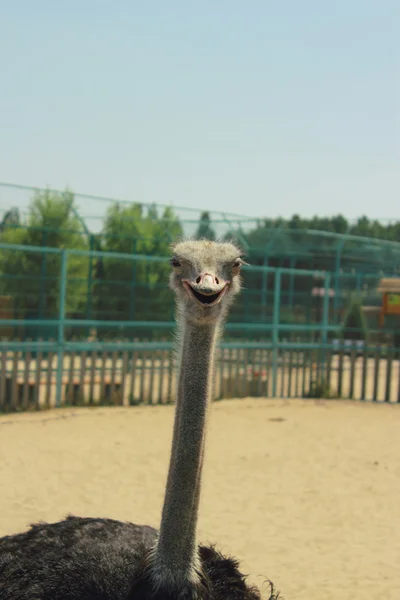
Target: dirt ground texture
(303,492)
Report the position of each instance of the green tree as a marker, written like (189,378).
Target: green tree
(318,251)
(205,230)
(340,224)
(354,321)
(136,289)
(32,279)
(10,218)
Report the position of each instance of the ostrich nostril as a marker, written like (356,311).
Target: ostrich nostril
(217,280)
(198,279)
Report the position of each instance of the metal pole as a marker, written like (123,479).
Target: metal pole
(291,282)
(325,322)
(325,309)
(43,275)
(264,289)
(275,330)
(359,282)
(61,325)
(133,285)
(89,300)
(337,282)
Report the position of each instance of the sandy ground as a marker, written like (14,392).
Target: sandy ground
(305,493)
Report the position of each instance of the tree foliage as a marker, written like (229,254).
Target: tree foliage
(205,230)
(136,289)
(363,226)
(10,218)
(129,288)
(354,322)
(302,243)
(101,288)
(32,278)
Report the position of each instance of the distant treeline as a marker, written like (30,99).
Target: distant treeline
(339,224)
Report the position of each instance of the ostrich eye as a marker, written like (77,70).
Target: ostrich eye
(236,266)
(175,262)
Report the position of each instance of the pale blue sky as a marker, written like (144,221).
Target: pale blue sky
(258,107)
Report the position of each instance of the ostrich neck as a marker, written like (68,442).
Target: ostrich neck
(176,553)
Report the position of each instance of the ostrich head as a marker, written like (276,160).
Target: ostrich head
(205,278)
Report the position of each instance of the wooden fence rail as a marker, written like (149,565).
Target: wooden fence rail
(29,379)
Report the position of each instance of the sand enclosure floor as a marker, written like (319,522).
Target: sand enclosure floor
(305,493)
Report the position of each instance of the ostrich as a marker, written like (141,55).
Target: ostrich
(103,559)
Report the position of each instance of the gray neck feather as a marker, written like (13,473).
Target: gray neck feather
(175,557)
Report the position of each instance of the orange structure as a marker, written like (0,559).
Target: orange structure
(390,289)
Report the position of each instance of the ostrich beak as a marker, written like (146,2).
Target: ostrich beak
(208,290)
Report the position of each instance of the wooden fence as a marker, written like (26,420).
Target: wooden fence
(31,380)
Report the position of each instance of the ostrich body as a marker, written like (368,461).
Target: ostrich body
(102,559)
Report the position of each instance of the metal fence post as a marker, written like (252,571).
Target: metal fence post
(291,282)
(133,285)
(264,289)
(43,277)
(89,299)
(325,324)
(275,330)
(325,309)
(61,325)
(338,287)
(359,282)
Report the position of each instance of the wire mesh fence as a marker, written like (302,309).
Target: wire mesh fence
(47,292)
(100,223)
(72,336)
(83,281)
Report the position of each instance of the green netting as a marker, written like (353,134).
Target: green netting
(119,225)
(108,287)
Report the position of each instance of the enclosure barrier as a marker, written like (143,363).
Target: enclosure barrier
(285,358)
(127,374)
